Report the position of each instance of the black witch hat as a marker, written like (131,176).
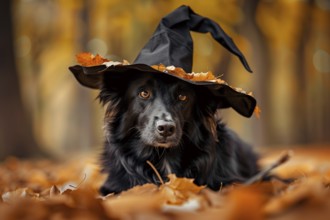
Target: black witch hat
(172,45)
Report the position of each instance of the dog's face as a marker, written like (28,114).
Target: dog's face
(156,109)
(162,106)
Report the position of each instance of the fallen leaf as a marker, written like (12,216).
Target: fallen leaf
(248,201)
(305,191)
(18,194)
(125,207)
(178,190)
(257,111)
(54,191)
(88,59)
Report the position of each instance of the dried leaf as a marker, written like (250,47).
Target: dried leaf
(54,191)
(307,191)
(185,185)
(130,205)
(179,72)
(188,206)
(247,201)
(257,111)
(88,59)
(18,194)
(179,190)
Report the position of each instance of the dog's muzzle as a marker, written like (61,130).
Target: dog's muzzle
(165,133)
(165,128)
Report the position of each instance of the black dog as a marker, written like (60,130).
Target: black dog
(172,124)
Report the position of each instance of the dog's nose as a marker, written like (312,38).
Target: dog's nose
(165,128)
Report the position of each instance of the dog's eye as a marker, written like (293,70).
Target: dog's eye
(182,97)
(145,94)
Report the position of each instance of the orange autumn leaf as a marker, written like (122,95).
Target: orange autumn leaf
(88,59)
(248,201)
(179,190)
(176,71)
(203,76)
(179,72)
(185,185)
(257,111)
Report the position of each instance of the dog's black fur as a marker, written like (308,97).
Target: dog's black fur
(172,124)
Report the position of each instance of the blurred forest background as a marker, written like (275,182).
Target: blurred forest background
(44,109)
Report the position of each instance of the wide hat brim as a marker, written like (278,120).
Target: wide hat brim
(226,96)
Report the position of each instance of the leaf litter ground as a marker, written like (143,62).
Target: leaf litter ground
(68,189)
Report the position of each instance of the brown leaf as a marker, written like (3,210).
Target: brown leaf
(213,199)
(130,205)
(247,201)
(146,189)
(257,111)
(88,59)
(306,191)
(54,191)
(18,194)
(179,190)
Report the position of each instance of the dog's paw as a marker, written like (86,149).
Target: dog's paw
(105,190)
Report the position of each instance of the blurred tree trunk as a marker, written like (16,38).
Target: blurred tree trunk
(300,111)
(83,106)
(16,136)
(261,65)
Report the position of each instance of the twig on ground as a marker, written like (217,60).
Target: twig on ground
(263,173)
(156,172)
